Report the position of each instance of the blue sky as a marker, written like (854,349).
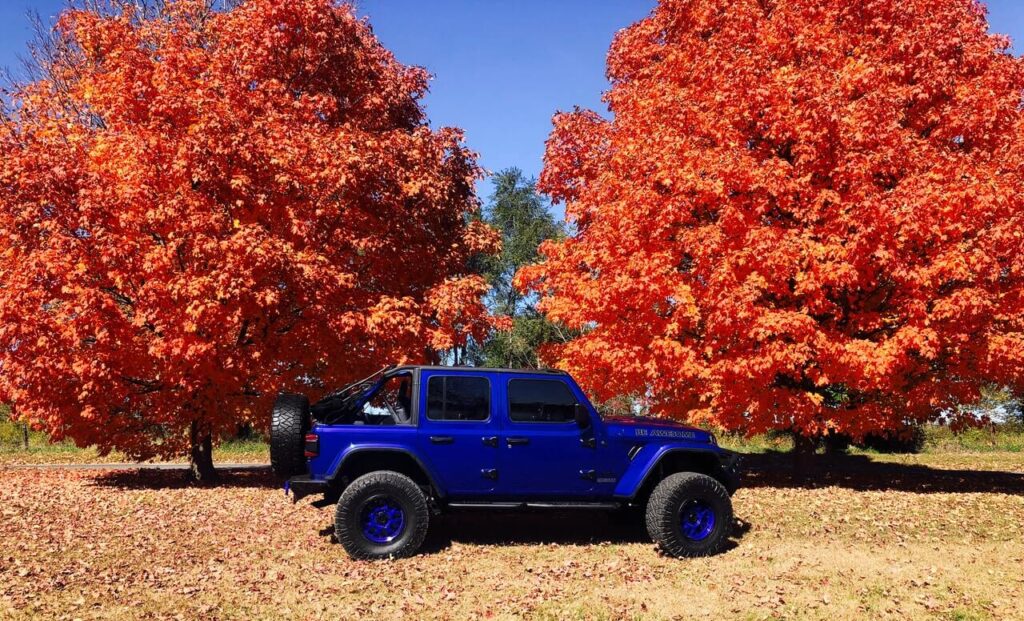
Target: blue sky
(501,68)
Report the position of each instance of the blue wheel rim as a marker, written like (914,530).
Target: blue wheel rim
(697,520)
(382,519)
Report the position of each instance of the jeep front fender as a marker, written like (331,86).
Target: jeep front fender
(710,461)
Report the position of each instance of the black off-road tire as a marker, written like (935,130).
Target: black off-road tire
(348,526)
(289,423)
(665,514)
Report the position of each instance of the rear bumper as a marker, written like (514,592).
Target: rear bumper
(304,485)
(731,464)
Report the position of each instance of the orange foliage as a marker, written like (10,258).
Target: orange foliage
(803,215)
(198,209)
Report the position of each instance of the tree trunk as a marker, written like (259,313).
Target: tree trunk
(201,456)
(13,416)
(803,454)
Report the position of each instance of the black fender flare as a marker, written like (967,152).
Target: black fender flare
(361,450)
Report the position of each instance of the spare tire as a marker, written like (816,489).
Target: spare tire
(289,423)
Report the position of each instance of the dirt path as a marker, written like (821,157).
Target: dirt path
(126,466)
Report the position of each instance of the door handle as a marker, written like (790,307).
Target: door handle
(490,474)
(590,475)
(490,441)
(589,442)
(517,441)
(442,440)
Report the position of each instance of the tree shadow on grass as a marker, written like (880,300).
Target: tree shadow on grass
(177,479)
(861,473)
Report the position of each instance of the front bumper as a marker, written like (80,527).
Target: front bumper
(304,485)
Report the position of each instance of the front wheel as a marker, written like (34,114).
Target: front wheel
(689,514)
(382,515)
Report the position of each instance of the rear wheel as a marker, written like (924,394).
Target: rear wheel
(382,514)
(289,423)
(689,514)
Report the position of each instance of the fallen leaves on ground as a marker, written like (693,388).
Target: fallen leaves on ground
(86,545)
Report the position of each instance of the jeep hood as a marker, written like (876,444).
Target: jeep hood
(654,429)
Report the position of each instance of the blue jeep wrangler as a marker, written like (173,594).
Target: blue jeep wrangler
(414,441)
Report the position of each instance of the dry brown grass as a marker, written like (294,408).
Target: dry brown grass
(864,538)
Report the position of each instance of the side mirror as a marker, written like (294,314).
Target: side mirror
(582,416)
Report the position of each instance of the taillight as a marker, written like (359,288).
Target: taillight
(312,445)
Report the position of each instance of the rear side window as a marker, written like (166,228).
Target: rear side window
(456,397)
(540,401)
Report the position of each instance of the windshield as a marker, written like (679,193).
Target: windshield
(625,406)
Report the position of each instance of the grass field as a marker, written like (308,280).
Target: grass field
(931,536)
(42,451)
(1008,438)
(1004,438)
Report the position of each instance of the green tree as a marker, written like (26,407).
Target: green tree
(1000,404)
(524,219)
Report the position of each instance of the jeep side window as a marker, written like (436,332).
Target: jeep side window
(540,401)
(456,397)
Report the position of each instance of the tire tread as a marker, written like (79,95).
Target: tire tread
(289,422)
(353,542)
(662,513)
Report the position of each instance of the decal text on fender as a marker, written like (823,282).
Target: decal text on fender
(666,433)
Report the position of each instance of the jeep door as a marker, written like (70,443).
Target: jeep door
(457,432)
(544,452)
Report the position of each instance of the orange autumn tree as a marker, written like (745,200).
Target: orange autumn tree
(199,208)
(803,215)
